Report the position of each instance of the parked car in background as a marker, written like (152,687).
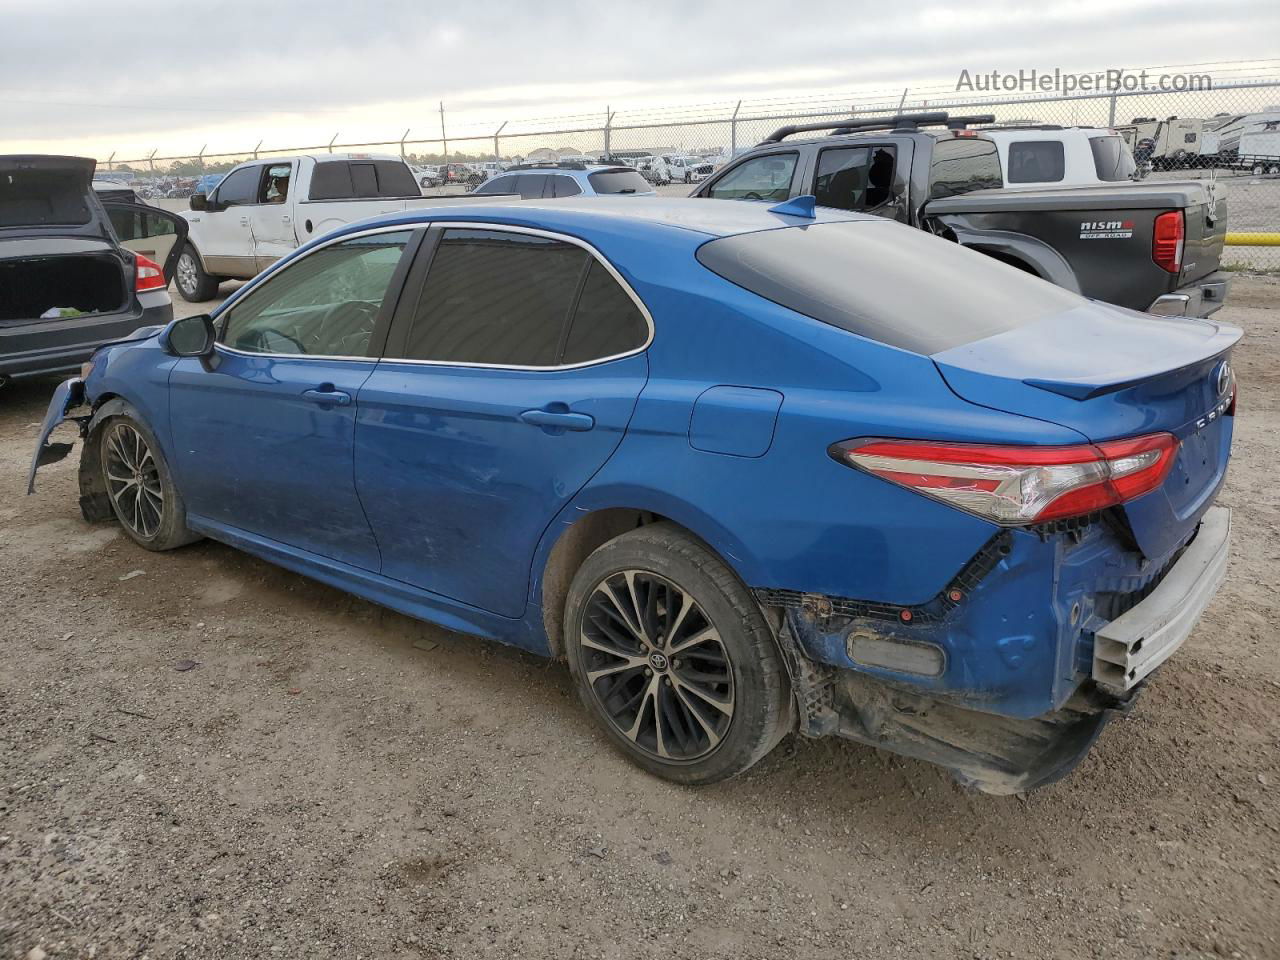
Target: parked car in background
(1061,155)
(69,282)
(263,210)
(206,183)
(1147,246)
(688,447)
(534,181)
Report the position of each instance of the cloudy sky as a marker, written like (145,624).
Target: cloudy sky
(76,77)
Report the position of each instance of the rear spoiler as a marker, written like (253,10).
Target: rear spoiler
(900,121)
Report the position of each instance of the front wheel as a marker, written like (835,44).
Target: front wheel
(672,657)
(194,285)
(140,486)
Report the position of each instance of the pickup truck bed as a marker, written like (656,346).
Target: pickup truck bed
(1098,240)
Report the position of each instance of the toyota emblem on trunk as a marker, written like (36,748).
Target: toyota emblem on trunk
(1224,377)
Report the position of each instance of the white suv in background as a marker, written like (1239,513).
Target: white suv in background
(1039,155)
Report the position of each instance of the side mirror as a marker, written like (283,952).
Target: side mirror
(189,336)
(199,201)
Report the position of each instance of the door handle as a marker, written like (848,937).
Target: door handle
(558,420)
(326,396)
(244,221)
(286,219)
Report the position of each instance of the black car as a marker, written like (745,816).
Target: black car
(76,270)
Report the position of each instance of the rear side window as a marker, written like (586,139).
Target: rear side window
(495,297)
(607,321)
(618,181)
(1037,161)
(240,186)
(1111,158)
(962,165)
(863,277)
(855,178)
(761,178)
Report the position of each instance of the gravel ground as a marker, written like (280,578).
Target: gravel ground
(206,756)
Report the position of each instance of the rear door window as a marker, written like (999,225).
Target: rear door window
(962,165)
(331,180)
(761,178)
(496,297)
(1037,161)
(855,178)
(562,186)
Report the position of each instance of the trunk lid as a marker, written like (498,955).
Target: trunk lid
(1111,373)
(46,195)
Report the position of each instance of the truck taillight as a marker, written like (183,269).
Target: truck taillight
(1019,485)
(1167,239)
(148,275)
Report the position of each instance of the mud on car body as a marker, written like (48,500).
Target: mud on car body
(716,457)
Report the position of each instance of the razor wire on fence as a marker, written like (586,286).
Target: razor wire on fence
(1229,133)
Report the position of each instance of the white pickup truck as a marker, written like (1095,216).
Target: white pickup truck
(263,210)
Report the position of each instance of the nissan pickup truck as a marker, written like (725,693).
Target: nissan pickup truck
(265,209)
(1153,246)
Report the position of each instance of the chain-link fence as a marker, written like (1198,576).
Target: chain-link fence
(1230,133)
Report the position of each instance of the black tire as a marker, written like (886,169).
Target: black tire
(139,484)
(675,679)
(194,285)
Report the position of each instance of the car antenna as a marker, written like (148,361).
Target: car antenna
(797,207)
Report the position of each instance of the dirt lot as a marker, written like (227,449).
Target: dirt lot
(334,780)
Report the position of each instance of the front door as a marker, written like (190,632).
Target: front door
(262,434)
(224,235)
(271,219)
(506,388)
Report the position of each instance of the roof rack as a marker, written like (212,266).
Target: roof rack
(901,121)
(562,164)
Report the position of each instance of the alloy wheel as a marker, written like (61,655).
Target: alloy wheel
(133,480)
(186,272)
(657,666)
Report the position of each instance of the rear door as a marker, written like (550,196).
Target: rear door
(506,384)
(150,231)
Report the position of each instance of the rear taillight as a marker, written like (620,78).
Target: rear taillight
(1167,239)
(1017,485)
(148,275)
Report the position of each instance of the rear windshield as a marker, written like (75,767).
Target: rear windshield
(32,198)
(1111,158)
(619,181)
(886,282)
(342,180)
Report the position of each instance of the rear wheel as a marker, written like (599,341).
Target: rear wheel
(194,285)
(673,658)
(140,486)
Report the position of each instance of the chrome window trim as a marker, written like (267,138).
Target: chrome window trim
(445,224)
(263,277)
(551,235)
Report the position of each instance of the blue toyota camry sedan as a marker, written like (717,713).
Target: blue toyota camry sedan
(748,469)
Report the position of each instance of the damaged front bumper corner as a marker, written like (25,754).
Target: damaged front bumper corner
(68,395)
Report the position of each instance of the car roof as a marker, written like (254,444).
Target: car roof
(612,215)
